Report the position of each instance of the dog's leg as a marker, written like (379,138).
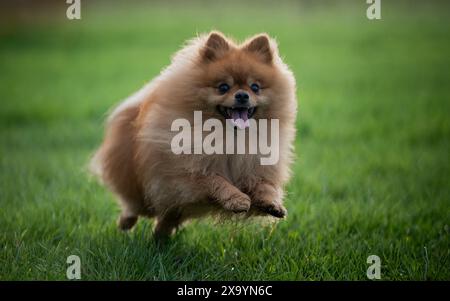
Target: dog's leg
(128,217)
(225,194)
(266,198)
(167,223)
(125,222)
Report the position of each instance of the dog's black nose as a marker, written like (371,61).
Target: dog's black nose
(241,97)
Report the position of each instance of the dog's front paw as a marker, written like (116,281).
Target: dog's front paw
(238,203)
(274,208)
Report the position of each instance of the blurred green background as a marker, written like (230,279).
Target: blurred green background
(372,168)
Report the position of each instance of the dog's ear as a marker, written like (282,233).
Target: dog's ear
(262,46)
(215,47)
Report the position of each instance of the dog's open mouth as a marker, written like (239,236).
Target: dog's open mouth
(239,116)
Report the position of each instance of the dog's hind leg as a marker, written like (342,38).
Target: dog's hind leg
(128,217)
(126,222)
(167,223)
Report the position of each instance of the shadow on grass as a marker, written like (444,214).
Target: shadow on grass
(196,252)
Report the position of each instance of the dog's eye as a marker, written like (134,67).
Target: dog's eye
(255,88)
(223,88)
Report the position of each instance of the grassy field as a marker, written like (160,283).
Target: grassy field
(372,170)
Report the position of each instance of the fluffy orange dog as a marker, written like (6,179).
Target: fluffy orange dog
(223,80)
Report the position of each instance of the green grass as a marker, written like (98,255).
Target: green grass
(371,175)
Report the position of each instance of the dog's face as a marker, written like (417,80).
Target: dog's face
(238,83)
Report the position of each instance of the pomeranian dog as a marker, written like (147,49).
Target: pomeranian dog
(223,80)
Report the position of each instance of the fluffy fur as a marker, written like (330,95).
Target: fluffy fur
(135,159)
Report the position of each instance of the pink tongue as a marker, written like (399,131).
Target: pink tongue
(240,118)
